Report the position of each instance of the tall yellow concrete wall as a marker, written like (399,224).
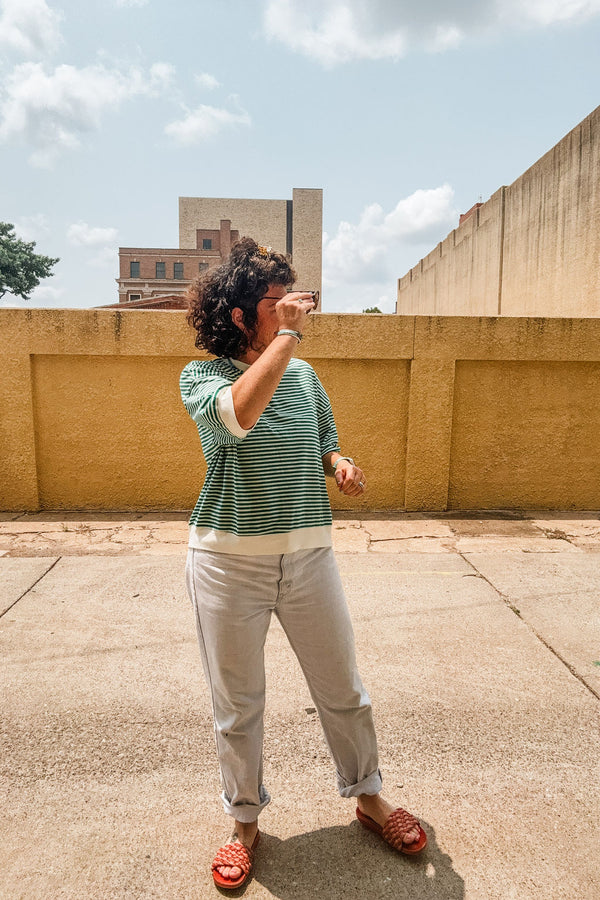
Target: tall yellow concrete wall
(461,276)
(455,413)
(532,250)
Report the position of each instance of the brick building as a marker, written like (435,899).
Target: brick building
(208,226)
(147,272)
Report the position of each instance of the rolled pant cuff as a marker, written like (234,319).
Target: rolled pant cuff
(246,812)
(372,784)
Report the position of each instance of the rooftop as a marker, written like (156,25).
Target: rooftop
(477,636)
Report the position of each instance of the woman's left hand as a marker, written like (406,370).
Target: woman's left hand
(350,479)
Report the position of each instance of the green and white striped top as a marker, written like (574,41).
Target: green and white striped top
(264,490)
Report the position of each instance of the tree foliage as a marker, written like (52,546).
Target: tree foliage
(21,270)
(372,309)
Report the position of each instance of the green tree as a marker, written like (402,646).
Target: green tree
(372,309)
(21,270)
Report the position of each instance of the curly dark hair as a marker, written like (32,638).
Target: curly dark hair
(240,282)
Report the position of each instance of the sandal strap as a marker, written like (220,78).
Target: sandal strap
(233,855)
(397,826)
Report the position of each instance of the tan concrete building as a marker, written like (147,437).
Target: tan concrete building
(533,249)
(208,226)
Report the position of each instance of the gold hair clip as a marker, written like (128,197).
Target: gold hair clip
(264,251)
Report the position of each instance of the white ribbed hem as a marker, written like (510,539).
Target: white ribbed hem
(259,544)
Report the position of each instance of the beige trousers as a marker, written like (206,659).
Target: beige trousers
(233,598)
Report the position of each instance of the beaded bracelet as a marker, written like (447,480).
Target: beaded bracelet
(295,334)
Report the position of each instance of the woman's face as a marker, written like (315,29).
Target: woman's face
(267,322)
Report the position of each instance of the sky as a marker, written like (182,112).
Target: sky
(406,114)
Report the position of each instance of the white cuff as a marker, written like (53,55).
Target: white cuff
(226,411)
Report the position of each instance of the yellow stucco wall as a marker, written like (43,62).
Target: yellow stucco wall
(457,412)
(525,429)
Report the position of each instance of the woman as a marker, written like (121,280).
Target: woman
(260,542)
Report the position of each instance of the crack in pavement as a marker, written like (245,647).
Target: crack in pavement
(361,527)
(31,586)
(507,602)
(555,534)
(412,537)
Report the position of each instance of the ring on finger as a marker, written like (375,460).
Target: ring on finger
(361,484)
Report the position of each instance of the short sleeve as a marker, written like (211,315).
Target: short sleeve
(226,411)
(328,436)
(200,389)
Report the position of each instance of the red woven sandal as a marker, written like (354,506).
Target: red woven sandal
(235,854)
(397,825)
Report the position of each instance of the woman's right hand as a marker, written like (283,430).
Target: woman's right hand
(252,392)
(293,309)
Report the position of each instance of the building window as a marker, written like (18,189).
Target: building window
(177,270)
(207,243)
(134,270)
(202,267)
(161,270)
(135,296)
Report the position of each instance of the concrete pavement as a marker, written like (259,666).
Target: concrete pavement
(478,637)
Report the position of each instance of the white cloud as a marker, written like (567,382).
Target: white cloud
(44,295)
(50,110)
(32,228)
(202,123)
(206,81)
(102,240)
(104,258)
(82,234)
(133,3)
(547,12)
(161,76)
(29,26)
(337,31)
(47,292)
(362,261)
(329,30)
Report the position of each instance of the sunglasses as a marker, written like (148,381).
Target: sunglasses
(314,294)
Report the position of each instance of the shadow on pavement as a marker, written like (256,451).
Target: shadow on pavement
(347,861)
